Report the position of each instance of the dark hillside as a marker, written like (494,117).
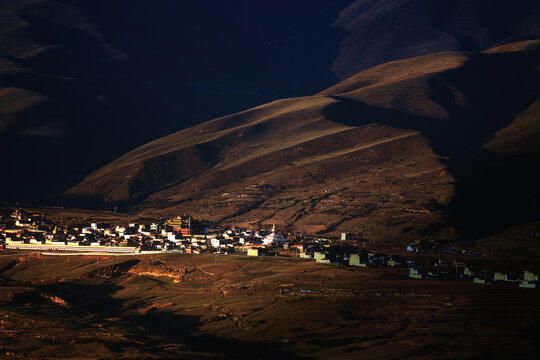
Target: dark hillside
(406,148)
(82,82)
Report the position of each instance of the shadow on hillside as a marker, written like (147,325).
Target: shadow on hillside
(95,307)
(493,191)
(8,266)
(106,94)
(91,101)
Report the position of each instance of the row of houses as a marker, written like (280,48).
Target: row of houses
(441,269)
(455,270)
(349,255)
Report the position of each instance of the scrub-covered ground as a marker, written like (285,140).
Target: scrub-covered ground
(209,306)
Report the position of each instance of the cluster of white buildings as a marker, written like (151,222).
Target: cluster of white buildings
(32,232)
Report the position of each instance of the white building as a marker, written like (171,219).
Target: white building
(274,238)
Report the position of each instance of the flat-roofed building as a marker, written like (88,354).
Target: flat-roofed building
(257,251)
(527,285)
(529,276)
(414,274)
(354,260)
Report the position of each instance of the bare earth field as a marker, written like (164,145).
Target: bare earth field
(182,306)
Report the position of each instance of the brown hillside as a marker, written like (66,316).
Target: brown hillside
(395,151)
(83,82)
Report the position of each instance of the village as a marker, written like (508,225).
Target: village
(22,230)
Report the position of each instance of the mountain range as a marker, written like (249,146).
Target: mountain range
(84,82)
(443,144)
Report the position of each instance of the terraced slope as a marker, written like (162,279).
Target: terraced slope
(398,150)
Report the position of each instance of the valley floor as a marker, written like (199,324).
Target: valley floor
(208,306)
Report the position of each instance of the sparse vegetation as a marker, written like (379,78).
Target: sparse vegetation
(239,307)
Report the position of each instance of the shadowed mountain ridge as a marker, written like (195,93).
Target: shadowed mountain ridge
(379,153)
(83,82)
